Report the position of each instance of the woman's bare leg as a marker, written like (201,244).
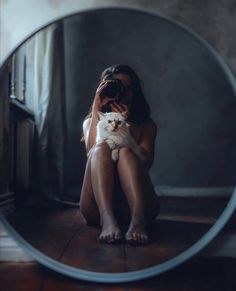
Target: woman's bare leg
(102,182)
(140,195)
(88,205)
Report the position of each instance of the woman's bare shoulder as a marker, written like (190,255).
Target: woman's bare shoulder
(149,126)
(86,122)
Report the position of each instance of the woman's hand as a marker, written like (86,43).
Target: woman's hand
(100,99)
(120,107)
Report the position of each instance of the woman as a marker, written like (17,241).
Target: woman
(122,191)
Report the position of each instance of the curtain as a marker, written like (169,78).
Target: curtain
(4,133)
(49,110)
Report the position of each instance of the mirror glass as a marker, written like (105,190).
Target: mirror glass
(48,86)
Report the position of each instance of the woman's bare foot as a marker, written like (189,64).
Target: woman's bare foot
(111,232)
(110,235)
(136,234)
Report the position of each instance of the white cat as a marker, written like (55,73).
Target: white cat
(114,130)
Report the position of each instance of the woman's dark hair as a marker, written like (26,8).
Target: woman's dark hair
(140,109)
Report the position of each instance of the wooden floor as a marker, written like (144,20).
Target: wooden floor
(63,235)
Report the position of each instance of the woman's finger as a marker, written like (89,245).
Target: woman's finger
(101,86)
(126,108)
(117,107)
(100,99)
(100,95)
(114,108)
(120,107)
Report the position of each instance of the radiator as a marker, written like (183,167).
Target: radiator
(24,146)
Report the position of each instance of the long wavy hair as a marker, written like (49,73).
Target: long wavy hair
(139,109)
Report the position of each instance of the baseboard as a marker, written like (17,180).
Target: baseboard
(173,191)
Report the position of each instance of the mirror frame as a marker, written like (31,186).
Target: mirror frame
(150,271)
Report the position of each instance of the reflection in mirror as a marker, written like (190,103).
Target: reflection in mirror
(48,87)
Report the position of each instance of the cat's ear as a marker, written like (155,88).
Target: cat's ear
(100,115)
(125,114)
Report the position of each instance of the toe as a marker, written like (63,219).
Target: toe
(118,236)
(144,239)
(136,238)
(110,238)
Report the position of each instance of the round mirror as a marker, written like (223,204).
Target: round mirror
(49,84)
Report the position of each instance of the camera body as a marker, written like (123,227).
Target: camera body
(113,90)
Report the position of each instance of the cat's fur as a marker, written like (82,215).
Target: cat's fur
(114,130)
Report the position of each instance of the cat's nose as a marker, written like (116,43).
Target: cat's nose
(114,125)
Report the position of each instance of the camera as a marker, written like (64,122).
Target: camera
(114,89)
(106,107)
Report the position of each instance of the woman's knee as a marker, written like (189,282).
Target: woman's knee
(127,160)
(100,148)
(126,154)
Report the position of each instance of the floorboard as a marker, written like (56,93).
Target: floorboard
(63,235)
(84,251)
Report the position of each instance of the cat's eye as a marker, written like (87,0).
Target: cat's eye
(109,121)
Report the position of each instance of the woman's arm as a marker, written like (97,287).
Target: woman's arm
(89,125)
(89,130)
(147,142)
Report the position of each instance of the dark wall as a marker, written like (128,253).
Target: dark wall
(191,97)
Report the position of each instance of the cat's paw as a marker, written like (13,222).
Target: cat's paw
(115,155)
(111,143)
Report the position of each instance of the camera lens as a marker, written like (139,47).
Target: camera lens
(106,108)
(114,89)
